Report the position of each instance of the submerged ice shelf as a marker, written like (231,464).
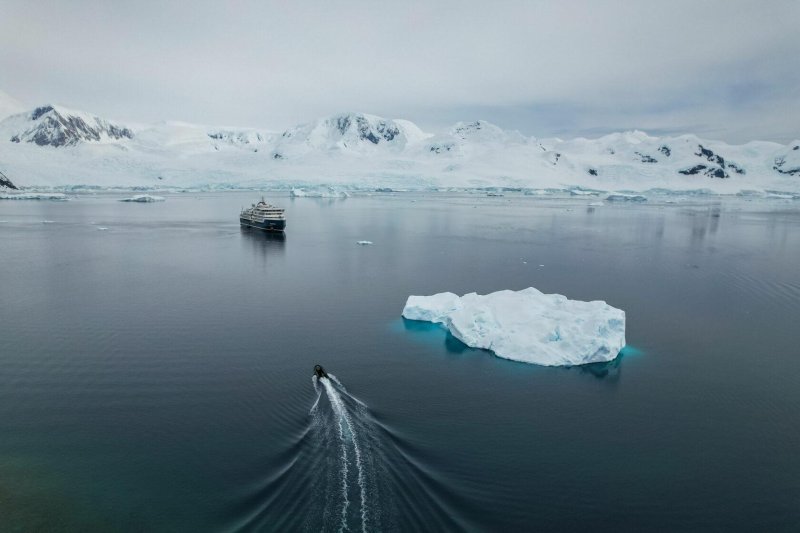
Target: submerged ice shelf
(527,325)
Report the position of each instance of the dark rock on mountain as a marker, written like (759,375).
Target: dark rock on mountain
(438,148)
(463,130)
(780,166)
(382,129)
(664,149)
(644,158)
(710,156)
(711,172)
(53,126)
(736,168)
(5,182)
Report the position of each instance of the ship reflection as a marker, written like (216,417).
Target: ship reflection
(264,242)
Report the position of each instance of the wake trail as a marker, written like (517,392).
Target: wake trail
(347,428)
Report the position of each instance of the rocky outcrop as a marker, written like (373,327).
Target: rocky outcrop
(6,183)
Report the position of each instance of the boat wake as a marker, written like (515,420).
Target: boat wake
(349,472)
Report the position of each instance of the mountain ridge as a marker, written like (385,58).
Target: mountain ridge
(355,148)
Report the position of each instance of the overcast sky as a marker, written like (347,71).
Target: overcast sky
(724,69)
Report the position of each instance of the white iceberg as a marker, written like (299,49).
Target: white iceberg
(620,197)
(144,198)
(318,192)
(364,243)
(527,325)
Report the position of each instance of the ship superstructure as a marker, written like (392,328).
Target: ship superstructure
(263,216)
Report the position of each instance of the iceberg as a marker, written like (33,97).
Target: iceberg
(621,197)
(319,192)
(528,325)
(144,198)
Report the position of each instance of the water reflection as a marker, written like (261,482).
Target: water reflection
(609,370)
(704,223)
(264,242)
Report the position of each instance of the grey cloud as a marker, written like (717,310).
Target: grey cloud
(724,65)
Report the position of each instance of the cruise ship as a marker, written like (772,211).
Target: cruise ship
(263,216)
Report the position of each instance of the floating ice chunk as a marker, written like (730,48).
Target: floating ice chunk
(364,243)
(34,196)
(578,191)
(537,192)
(620,197)
(144,198)
(318,192)
(776,195)
(527,325)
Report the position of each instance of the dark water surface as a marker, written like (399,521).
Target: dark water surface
(156,375)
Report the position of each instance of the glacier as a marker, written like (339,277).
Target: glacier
(527,325)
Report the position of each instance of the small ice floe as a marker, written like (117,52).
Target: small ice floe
(775,195)
(102,228)
(34,196)
(596,204)
(578,191)
(620,197)
(527,325)
(144,198)
(364,243)
(48,221)
(318,192)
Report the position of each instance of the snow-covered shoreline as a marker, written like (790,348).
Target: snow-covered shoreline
(594,198)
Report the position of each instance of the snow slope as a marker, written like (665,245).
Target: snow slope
(55,147)
(527,325)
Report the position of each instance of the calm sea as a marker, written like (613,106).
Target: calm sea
(156,367)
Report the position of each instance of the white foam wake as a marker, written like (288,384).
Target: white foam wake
(347,431)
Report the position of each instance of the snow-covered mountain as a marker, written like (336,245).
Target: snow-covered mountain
(53,147)
(349,133)
(58,126)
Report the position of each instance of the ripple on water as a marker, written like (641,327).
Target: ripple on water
(346,472)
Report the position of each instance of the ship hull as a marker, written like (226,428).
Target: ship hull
(267,225)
